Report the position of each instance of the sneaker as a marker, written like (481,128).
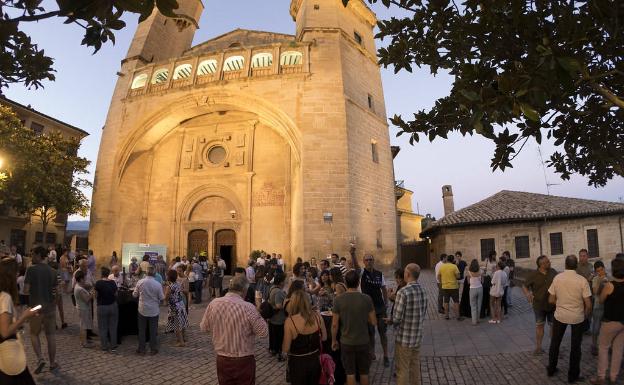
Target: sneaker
(40,366)
(492,321)
(386,362)
(280,357)
(551,372)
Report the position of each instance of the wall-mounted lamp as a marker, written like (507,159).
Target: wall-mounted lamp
(233,213)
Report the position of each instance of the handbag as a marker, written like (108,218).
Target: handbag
(266,309)
(328,366)
(12,355)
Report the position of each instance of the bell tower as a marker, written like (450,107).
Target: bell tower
(160,37)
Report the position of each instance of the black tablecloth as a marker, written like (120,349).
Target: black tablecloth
(128,315)
(339,373)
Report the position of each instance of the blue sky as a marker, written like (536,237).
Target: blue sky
(84,85)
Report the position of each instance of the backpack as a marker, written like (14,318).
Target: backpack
(266,309)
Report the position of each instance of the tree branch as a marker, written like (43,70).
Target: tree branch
(610,96)
(41,16)
(398,4)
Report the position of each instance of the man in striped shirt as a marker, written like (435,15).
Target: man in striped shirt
(234,324)
(408,317)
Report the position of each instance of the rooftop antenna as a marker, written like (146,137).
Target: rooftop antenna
(539,151)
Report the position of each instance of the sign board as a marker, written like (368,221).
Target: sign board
(138,250)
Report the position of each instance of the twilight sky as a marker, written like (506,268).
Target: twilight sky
(84,85)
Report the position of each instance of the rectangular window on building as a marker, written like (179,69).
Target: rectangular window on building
(487,245)
(38,128)
(51,238)
(379,245)
(38,237)
(522,247)
(374,153)
(18,239)
(592,243)
(357,37)
(371,104)
(556,243)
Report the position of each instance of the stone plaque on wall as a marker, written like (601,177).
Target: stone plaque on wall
(187,160)
(188,147)
(240,139)
(269,196)
(239,158)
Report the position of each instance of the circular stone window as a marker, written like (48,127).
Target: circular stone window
(216,154)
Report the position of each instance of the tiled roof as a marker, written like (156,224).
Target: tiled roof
(517,206)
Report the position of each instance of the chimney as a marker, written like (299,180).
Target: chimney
(447,199)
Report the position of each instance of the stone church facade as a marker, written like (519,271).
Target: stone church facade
(251,140)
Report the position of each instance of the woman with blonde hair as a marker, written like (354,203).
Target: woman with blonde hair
(303,331)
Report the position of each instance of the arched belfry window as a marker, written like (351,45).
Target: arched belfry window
(182,71)
(233,63)
(207,67)
(260,60)
(291,58)
(160,76)
(139,81)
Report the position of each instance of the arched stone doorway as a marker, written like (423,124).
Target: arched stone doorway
(197,242)
(225,246)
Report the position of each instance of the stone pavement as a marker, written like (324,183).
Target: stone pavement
(453,353)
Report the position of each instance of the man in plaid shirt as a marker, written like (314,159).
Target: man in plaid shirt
(408,317)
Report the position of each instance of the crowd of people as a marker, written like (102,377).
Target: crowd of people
(322,317)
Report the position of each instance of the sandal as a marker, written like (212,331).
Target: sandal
(40,366)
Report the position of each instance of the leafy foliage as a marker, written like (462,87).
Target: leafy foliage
(43,171)
(22,61)
(522,69)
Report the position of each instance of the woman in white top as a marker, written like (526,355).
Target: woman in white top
(476,290)
(13,369)
(499,280)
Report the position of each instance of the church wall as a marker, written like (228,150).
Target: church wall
(270,226)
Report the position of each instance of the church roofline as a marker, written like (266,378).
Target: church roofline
(235,31)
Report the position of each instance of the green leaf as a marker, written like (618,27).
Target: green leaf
(470,95)
(529,112)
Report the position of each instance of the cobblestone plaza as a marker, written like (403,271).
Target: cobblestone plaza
(453,353)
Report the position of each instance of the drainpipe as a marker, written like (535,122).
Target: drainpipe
(539,230)
(621,237)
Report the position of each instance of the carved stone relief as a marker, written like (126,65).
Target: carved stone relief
(269,195)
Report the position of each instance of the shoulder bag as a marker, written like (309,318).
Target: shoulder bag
(12,355)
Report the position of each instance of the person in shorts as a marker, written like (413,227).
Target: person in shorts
(448,274)
(39,283)
(536,290)
(353,312)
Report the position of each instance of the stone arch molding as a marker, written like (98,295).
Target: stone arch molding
(185,209)
(153,129)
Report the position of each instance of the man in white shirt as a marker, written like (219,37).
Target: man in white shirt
(440,296)
(150,294)
(250,272)
(15,255)
(260,261)
(116,276)
(571,294)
